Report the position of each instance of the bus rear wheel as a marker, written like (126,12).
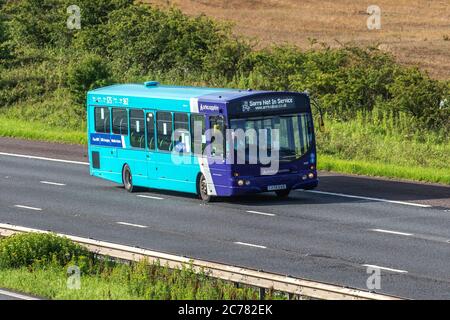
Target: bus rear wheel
(127,179)
(203,189)
(283,193)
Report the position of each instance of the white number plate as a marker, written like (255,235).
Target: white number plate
(276,188)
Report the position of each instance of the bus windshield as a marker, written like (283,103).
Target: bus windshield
(295,133)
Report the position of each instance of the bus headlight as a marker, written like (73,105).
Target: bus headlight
(311,175)
(305,177)
(247,183)
(240,183)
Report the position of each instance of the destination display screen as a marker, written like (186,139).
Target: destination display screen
(264,104)
(269,104)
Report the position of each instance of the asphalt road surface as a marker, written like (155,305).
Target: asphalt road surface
(331,235)
(6,295)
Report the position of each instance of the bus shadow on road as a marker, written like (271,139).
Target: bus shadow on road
(296,198)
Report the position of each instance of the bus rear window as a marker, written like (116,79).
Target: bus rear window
(102,120)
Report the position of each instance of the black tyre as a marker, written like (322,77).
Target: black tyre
(283,193)
(127,179)
(203,189)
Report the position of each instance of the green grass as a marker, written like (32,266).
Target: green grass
(37,131)
(375,169)
(140,281)
(38,264)
(52,284)
(384,146)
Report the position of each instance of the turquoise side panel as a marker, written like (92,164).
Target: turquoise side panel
(151,169)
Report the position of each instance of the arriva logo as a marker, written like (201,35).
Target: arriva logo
(245,107)
(204,107)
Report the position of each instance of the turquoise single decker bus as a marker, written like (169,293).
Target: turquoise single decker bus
(132,140)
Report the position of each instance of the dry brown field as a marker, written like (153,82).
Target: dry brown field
(417,32)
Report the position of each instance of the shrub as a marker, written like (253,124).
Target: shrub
(38,23)
(421,97)
(5,44)
(42,23)
(91,72)
(24,250)
(148,39)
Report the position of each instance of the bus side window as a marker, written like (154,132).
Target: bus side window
(102,120)
(164,126)
(198,138)
(137,129)
(151,131)
(120,121)
(182,143)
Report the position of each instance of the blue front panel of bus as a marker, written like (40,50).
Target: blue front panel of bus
(295,175)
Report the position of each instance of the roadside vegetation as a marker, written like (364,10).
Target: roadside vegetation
(42,265)
(378,117)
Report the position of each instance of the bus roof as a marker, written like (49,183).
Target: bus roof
(155,90)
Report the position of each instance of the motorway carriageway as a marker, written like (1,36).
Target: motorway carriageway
(331,235)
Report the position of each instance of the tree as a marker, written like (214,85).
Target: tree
(43,23)
(5,45)
(415,93)
(89,73)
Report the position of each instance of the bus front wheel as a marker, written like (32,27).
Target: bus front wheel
(203,189)
(127,178)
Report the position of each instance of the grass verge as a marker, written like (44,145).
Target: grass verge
(122,282)
(39,131)
(375,169)
(38,264)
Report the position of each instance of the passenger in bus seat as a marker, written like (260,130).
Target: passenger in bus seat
(180,146)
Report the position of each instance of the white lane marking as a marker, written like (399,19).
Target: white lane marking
(369,198)
(393,232)
(43,158)
(53,183)
(132,225)
(16,295)
(250,245)
(262,213)
(149,197)
(383,268)
(27,208)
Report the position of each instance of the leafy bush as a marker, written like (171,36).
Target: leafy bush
(42,23)
(23,250)
(421,97)
(147,39)
(89,73)
(5,44)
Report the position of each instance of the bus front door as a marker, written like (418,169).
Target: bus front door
(151,145)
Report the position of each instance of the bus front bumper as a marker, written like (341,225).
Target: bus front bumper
(268,184)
